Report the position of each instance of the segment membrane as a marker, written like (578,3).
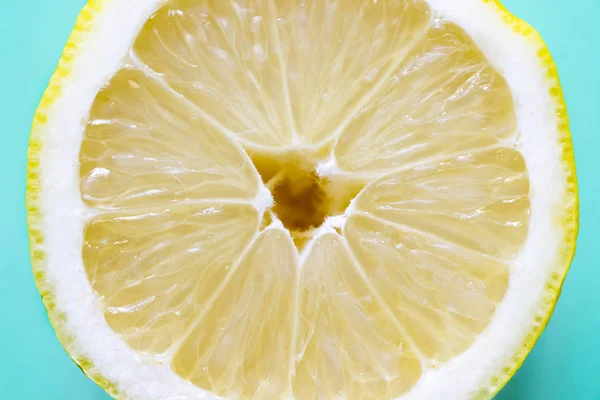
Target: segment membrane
(348,345)
(242,347)
(224,56)
(339,52)
(479,201)
(442,294)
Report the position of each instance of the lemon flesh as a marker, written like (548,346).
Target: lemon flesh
(374,113)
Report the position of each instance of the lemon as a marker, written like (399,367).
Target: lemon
(282,199)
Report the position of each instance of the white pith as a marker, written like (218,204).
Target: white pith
(101,53)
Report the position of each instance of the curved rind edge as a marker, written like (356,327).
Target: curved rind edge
(83,24)
(568,218)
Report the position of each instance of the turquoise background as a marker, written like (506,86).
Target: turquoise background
(565,364)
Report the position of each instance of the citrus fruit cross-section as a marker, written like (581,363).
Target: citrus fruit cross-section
(285,199)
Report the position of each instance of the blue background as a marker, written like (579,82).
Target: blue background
(565,364)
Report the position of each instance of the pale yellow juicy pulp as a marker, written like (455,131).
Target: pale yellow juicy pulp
(374,110)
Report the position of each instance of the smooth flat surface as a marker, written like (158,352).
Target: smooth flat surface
(565,364)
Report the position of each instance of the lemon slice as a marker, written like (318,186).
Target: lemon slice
(282,199)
